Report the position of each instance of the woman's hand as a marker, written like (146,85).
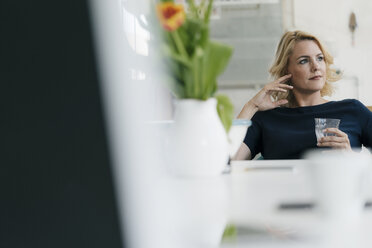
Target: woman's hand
(262,100)
(340,141)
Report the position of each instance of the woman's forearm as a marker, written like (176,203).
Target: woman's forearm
(248,111)
(244,153)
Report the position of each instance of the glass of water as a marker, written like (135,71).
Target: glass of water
(323,123)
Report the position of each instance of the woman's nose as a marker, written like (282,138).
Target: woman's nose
(315,65)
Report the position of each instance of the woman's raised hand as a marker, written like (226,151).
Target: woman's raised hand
(263,101)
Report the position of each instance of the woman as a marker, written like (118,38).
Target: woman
(283,111)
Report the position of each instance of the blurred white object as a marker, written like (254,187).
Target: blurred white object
(340,180)
(236,134)
(134,148)
(197,141)
(198,211)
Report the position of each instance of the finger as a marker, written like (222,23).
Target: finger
(287,86)
(277,89)
(332,144)
(336,131)
(283,79)
(280,102)
(332,139)
(276,86)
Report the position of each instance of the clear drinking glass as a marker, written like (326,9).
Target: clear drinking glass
(323,123)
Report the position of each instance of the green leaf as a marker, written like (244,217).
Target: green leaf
(230,232)
(215,60)
(225,111)
(217,57)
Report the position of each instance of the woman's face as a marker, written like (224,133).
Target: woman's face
(307,66)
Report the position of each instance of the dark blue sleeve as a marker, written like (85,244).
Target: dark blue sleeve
(365,119)
(253,137)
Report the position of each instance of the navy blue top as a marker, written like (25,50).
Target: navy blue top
(286,133)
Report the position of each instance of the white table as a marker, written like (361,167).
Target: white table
(257,188)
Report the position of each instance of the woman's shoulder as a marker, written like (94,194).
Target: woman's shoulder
(350,102)
(352,105)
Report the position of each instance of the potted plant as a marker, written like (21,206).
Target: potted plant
(198,140)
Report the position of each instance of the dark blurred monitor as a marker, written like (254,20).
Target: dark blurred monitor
(56,183)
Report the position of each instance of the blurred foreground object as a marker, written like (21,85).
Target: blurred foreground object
(340,180)
(236,134)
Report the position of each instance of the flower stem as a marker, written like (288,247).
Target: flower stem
(193,8)
(180,47)
(208,12)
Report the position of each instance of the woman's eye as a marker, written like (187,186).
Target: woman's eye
(320,58)
(303,61)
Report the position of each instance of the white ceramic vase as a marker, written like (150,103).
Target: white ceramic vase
(197,141)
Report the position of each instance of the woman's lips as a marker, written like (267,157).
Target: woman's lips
(316,78)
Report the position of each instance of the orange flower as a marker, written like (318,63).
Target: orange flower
(171,15)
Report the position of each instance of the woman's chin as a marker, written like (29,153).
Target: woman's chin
(310,87)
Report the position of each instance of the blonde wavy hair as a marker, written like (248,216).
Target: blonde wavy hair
(281,62)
